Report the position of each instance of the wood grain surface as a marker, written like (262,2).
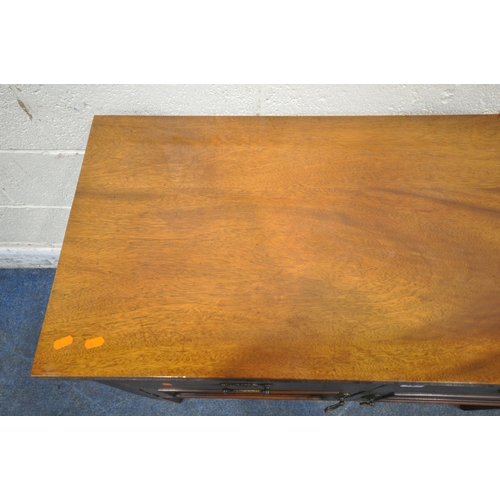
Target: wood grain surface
(314,248)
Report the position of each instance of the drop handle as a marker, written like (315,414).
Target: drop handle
(342,396)
(373,398)
(246,387)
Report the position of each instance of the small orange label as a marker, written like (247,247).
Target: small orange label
(91,343)
(59,344)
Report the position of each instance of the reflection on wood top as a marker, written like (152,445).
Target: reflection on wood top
(315,248)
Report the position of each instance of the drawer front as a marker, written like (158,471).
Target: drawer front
(443,399)
(179,389)
(366,393)
(486,395)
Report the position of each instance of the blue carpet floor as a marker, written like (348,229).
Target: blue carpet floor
(24,294)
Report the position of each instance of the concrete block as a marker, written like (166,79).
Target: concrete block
(38,179)
(36,226)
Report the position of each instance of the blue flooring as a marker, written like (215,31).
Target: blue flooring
(24,294)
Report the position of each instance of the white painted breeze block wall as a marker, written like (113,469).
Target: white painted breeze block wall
(44,131)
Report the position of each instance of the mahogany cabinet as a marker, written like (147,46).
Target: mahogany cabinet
(322,258)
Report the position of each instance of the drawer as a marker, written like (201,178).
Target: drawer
(274,395)
(251,390)
(486,395)
(243,389)
(452,399)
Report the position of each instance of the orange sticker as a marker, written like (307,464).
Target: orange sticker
(91,343)
(59,344)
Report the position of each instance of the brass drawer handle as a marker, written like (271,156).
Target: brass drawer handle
(342,396)
(246,387)
(373,398)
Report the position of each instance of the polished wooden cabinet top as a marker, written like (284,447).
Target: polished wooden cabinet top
(314,248)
